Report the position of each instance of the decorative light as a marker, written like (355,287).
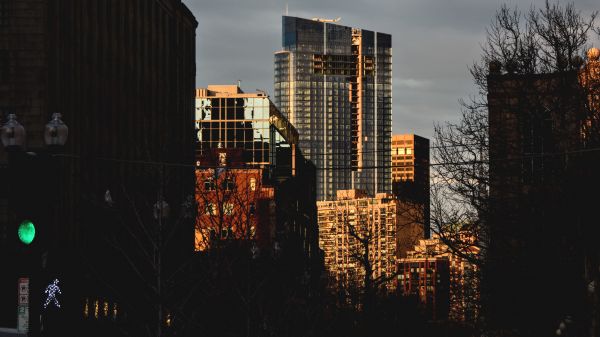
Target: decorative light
(115,312)
(51,291)
(26,232)
(12,133)
(161,209)
(56,132)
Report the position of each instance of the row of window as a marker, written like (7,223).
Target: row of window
(228,208)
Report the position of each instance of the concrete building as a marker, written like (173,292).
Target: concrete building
(334,84)
(354,226)
(410,174)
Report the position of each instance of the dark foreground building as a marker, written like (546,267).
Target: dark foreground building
(122,75)
(543,253)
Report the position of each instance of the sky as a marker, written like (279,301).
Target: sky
(433,41)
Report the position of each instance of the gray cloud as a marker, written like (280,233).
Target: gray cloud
(434,42)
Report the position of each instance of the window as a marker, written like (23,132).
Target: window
(252,208)
(253,184)
(210,208)
(209,185)
(225,233)
(228,208)
(228,184)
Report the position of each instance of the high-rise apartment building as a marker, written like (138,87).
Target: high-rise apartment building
(410,174)
(334,84)
(354,226)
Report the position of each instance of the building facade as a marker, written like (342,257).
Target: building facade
(426,278)
(227,117)
(542,171)
(355,226)
(122,75)
(233,203)
(456,295)
(410,174)
(261,147)
(334,84)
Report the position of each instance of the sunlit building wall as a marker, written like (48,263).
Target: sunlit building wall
(259,143)
(410,174)
(446,283)
(353,225)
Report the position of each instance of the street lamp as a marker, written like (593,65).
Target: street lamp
(161,212)
(161,209)
(56,131)
(12,134)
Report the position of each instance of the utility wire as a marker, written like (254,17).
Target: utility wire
(457,163)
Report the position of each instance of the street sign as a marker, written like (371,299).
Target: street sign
(23,308)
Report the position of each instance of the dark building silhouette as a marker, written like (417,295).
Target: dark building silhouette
(122,75)
(541,215)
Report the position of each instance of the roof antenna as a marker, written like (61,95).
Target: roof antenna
(286,9)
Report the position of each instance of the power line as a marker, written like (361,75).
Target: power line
(458,163)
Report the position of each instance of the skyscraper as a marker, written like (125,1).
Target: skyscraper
(334,84)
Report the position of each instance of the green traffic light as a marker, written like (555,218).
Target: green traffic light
(26,232)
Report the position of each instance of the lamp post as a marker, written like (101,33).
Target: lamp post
(161,213)
(22,177)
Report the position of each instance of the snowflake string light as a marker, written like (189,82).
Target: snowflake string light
(51,291)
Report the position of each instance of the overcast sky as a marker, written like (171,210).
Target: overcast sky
(434,42)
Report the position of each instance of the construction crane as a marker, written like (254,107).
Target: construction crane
(326,20)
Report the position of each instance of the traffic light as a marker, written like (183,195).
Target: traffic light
(26,232)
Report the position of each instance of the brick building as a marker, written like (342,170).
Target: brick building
(447,284)
(233,202)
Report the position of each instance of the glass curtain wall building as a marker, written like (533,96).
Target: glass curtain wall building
(226,117)
(334,84)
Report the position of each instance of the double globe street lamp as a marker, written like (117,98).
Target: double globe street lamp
(13,137)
